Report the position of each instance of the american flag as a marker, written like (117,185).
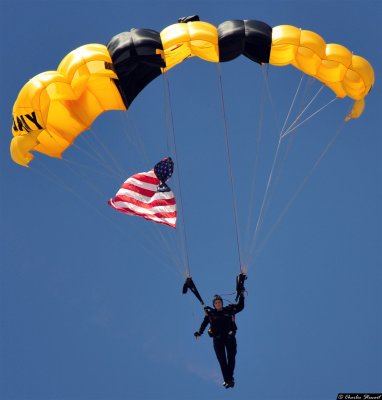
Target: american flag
(147,195)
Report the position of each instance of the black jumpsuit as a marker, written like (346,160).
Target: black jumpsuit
(223,329)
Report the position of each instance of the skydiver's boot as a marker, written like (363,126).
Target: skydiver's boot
(229,383)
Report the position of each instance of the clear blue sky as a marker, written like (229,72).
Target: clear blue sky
(91,303)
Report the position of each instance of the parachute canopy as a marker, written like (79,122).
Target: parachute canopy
(54,107)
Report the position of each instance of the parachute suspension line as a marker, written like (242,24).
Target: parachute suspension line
(170,129)
(290,130)
(266,196)
(292,104)
(301,113)
(97,157)
(276,116)
(154,245)
(282,135)
(61,183)
(226,136)
(253,187)
(171,143)
(108,153)
(50,176)
(301,186)
(305,93)
(284,132)
(134,137)
(263,207)
(98,171)
(100,160)
(85,179)
(56,179)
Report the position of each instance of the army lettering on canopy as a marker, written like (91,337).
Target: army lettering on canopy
(20,123)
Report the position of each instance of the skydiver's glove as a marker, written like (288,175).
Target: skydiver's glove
(197,334)
(240,289)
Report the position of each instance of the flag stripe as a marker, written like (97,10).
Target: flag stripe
(148,177)
(142,184)
(154,203)
(140,197)
(134,195)
(159,215)
(153,211)
(137,189)
(163,218)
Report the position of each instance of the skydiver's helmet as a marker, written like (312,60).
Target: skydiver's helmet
(216,297)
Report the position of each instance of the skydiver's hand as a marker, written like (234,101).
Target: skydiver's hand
(197,334)
(207,309)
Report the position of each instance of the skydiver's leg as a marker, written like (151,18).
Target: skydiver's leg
(219,348)
(231,346)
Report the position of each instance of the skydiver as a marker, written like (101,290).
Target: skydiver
(223,330)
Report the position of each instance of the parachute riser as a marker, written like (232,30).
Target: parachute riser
(189,284)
